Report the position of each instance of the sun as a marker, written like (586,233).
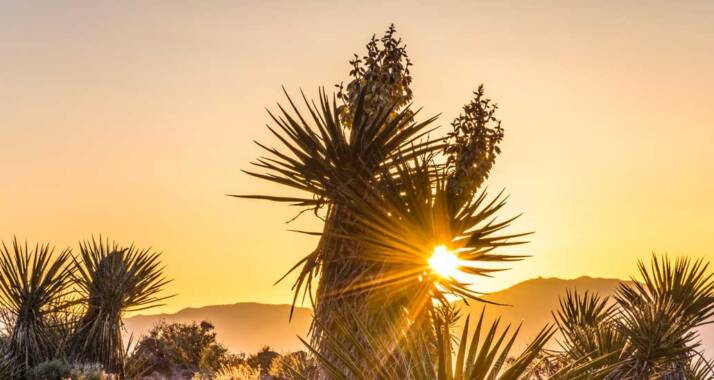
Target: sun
(444,262)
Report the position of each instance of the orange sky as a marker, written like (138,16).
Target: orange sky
(132,119)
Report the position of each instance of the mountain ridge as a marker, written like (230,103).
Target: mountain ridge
(248,326)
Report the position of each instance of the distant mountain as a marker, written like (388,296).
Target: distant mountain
(531,302)
(246,327)
(242,327)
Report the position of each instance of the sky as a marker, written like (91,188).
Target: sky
(133,120)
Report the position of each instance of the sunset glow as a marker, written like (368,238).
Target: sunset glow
(270,185)
(133,120)
(444,262)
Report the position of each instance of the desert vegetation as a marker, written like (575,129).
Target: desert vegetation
(406,218)
(408,228)
(62,313)
(191,351)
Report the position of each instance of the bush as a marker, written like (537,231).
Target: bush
(184,347)
(89,372)
(50,370)
(263,359)
(232,372)
(59,370)
(294,365)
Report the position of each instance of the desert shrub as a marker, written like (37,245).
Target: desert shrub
(182,347)
(263,359)
(239,371)
(294,365)
(90,371)
(59,370)
(135,366)
(50,370)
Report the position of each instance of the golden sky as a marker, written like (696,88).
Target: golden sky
(133,119)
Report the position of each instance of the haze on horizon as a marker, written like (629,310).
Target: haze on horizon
(134,119)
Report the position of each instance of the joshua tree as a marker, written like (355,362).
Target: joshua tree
(388,202)
(113,281)
(34,285)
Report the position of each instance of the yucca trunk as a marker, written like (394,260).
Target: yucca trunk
(348,286)
(98,340)
(342,273)
(29,343)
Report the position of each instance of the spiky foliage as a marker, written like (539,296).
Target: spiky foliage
(487,361)
(113,280)
(408,213)
(335,164)
(326,159)
(659,314)
(482,354)
(34,285)
(589,330)
(700,369)
(400,220)
(650,330)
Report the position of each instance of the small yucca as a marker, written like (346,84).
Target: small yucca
(33,286)
(113,281)
(649,332)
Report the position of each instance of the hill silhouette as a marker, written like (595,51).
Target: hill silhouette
(246,327)
(242,327)
(531,302)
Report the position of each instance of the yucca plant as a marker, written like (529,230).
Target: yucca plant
(588,325)
(401,220)
(487,361)
(112,280)
(700,369)
(659,313)
(329,160)
(356,160)
(649,332)
(34,285)
(408,213)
